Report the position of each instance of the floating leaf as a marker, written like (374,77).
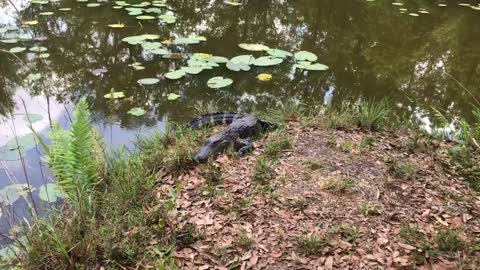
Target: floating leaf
(309,66)
(151,36)
(32,118)
(48,13)
(189,40)
(50,193)
(137,111)
(264,77)
(93,4)
(148,81)
(219,59)
(238,67)
(25,37)
(9,41)
(44,55)
(279,53)
(34,77)
(243,59)
(38,49)
(12,151)
(193,70)
(10,194)
(172,97)
(17,49)
(133,40)
(175,75)
(253,47)
(64,9)
(267,61)
(117,25)
(151,45)
(233,3)
(34,22)
(114,95)
(145,17)
(219,82)
(305,56)
(167,18)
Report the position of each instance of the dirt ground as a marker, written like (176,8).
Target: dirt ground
(337,199)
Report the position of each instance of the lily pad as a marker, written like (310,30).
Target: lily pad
(233,3)
(117,25)
(93,4)
(10,194)
(238,67)
(279,53)
(44,55)
(267,61)
(219,82)
(9,41)
(12,151)
(137,111)
(253,47)
(173,97)
(310,66)
(34,77)
(151,45)
(47,13)
(17,49)
(175,75)
(50,193)
(34,22)
(145,17)
(193,70)
(32,118)
(148,81)
(38,49)
(167,18)
(243,59)
(133,40)
(114,95)
(189,40)
(305,56)
(264,77)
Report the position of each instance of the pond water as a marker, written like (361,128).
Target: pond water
(419,54)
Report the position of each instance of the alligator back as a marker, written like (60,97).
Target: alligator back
(213,119)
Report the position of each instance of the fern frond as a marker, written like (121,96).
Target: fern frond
(439,116)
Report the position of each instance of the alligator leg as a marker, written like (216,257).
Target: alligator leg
(244,146)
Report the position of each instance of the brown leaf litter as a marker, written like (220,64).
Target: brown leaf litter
(366,224)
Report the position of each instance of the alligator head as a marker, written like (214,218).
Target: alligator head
(211,148)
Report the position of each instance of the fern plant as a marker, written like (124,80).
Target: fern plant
(73,155)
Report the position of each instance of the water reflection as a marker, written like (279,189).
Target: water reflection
(372,49)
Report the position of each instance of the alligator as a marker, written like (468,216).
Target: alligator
(239,133)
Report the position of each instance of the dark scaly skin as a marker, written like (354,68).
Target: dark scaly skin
(239,132)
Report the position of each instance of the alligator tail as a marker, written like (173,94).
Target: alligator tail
(214,119)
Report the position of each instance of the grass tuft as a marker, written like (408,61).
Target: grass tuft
(401,169)
(263,171)
(279,141)
(312,245)
(449,240)
(339,184)
(244,241)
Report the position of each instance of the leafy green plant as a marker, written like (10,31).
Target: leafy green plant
(312,245)
(279,140)
(339,184)
(244,241)
(263,171)
(448,240)
(75,157)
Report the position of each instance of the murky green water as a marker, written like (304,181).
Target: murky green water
(373,50)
